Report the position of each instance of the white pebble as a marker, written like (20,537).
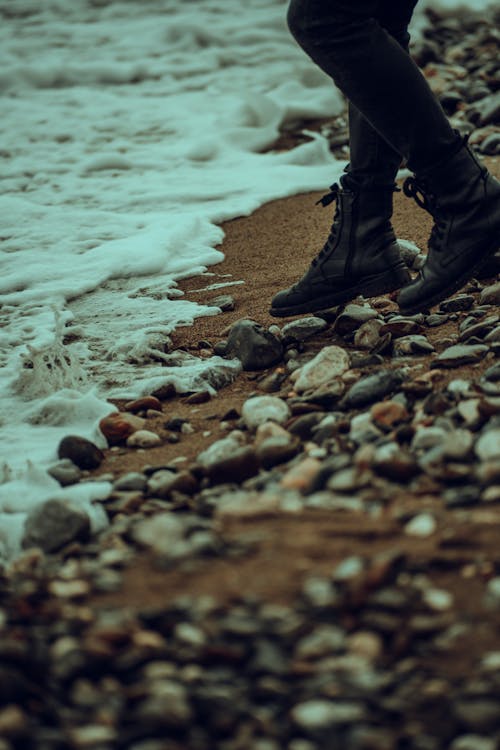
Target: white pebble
(143,439)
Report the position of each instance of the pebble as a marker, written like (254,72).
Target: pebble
(352,317)
(143,439)
(490,295)
(82,452)
(303,329)
(460,354)
(54,523)
(117,427)
(260,409)
(131,481)
(487,446)
(320,715)
(144,404)
(255,347)
(372,388)
(367,336)
(65,472)
(329,363)
(422,525)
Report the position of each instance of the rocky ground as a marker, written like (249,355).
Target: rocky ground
(307,558)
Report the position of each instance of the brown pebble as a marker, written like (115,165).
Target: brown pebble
(143,404)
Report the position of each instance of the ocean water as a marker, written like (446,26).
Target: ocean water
(130,131)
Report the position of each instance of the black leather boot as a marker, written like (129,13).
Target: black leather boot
(464,200)
(360,256)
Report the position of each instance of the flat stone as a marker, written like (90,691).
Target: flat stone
(458,303)
(352,317)
(143,439)
(303,329)
(460,354)
(414,344)
(372,388)
(53,524)
(134,480)
(320,715)
(490,295)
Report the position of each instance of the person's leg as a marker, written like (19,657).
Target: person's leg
(361,255)
(373,161)
(348,42)
(375,73)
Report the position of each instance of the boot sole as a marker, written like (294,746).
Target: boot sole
(372,286)
(453,287)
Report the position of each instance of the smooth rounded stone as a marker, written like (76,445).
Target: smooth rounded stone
(388,414)
(329,363)
(348,569)
(276,450)
(163,533)
(320,715)
(362,430)
(426,438)
(457,444)
(82,452)
(319,592)
(493,336)
(134,480)
(304,425)
(13,721)
(224,301)
(367,644)
(260,409)
(414,344)
(422,525)
(348,479)
(392,462)
(470,329)
(53,524)
(470,412)
(460,354)
(65,472)
(301,745)
(438,599)
(493,592)
(302,475)
(321,642)
(352,317)
(167,705)
(253,345)
(145,403)
(117,427)
(478,714)
(458,303)
(229,460)
(434,320)
(303,329)
(372,388)
(400,326)
(473,742)
(491,145)
(488,109)
(92,736)
(143,439)
(487,446)
(367,336)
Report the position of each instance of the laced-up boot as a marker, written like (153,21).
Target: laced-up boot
(464,201)
(360,256)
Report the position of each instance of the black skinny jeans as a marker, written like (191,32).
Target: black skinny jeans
(393,114)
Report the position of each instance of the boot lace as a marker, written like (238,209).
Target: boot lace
(423,197)
(326,200)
